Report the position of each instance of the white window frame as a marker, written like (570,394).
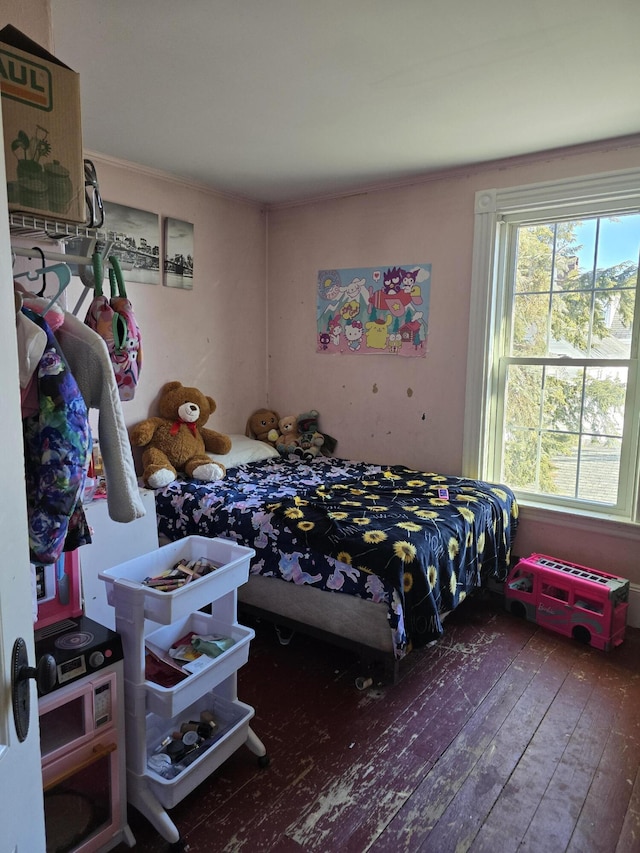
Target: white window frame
(613,192)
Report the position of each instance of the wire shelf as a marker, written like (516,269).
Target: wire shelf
(26,225)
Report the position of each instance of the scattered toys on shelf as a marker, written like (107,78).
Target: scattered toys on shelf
(181,748)
(187,655)
(192,646)
(182,573)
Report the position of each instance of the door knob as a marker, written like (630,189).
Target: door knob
(45,676)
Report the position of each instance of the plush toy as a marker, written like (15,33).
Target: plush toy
(288,438)
(177,441)
(263,426)
(311,440)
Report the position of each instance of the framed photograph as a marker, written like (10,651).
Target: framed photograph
(139,249)
(178,253)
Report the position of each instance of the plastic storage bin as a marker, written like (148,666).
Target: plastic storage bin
(168,701)
(151,618)
(232,718)
(124,582)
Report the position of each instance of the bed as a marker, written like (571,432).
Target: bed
(368,556)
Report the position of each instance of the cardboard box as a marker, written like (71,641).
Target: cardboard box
(42,130)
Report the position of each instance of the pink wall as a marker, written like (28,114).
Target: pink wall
(386,409)
(374,405)
(33,17)
(214,336)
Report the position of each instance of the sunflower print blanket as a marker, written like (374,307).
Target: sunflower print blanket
(420,542)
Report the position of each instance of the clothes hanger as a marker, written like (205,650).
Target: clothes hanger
(89,274)
(63,273)
(44,275)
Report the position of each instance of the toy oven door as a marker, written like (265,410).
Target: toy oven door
(79,736)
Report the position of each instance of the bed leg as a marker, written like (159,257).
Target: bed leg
(285,635)
(378,671)
(391,670)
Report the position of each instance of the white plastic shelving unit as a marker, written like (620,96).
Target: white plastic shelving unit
(145,616)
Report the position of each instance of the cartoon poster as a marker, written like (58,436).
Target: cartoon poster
(374,310)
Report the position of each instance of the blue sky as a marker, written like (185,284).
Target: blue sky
(619,241)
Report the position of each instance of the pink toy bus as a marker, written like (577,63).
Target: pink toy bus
(586,604)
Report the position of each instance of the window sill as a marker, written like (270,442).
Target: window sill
(587,521)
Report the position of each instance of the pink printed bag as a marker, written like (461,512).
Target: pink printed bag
(114,320)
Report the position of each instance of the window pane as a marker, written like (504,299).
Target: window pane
(563,430)
(523,396)
(534,258)
(599,470)
(566,262)
(559,452)
(619,241)
(604,398)
(571,324)
(530,335)
(612,250)
(589,308)
(612,335)
(586,243)
(562,402)
(520,460)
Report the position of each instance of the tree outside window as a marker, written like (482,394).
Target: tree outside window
(560,401)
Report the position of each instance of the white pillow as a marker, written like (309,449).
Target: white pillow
(244,450)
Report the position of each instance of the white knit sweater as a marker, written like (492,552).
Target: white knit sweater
(88,359)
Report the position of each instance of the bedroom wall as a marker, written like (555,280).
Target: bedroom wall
(213,336)
(33,17)
(410,411)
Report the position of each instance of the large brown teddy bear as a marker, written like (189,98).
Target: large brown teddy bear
(177,441)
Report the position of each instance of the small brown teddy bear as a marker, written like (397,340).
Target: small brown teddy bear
(178,441)
(289,436)
(263,426)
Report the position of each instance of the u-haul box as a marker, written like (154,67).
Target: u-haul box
(42,130)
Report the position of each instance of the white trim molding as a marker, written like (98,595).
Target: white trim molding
(633,613)
(492,207)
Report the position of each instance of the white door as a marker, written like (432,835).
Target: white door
(21,799)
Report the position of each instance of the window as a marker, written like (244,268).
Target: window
(556,592)
(553,392)
(590,604)
(522,581)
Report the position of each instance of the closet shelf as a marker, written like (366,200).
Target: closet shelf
(26,225)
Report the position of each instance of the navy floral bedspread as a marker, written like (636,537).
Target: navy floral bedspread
(419,542)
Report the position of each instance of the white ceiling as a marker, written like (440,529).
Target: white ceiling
(283,100)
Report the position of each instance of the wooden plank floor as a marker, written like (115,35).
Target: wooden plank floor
(502,737)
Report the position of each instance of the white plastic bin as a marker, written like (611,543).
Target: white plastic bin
(232,732)
(168,701)
(125,587)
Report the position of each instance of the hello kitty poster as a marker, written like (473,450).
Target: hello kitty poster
(374,310)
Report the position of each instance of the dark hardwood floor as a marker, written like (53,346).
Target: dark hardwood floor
(501,737)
